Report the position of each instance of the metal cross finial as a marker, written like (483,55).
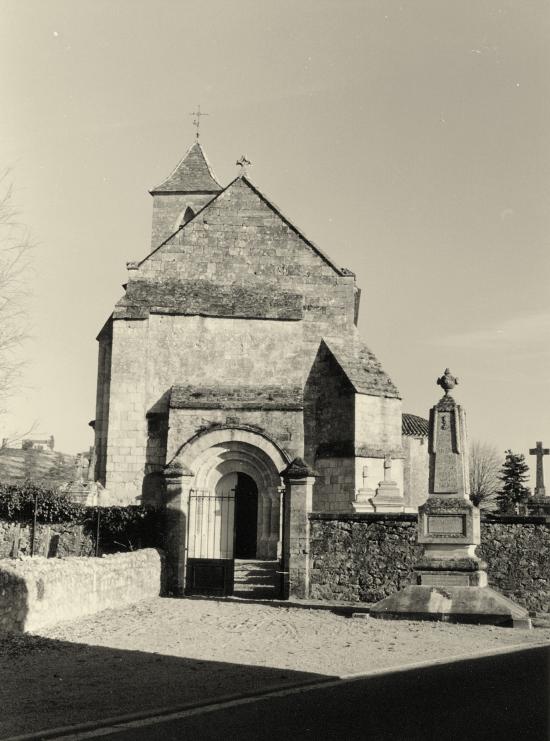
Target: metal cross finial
(243,163)
(197,119)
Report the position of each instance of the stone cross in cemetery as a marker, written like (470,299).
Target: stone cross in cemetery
(450,580)
(539,452)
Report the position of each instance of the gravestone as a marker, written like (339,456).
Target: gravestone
(364,495)
(450,579)
(388,495)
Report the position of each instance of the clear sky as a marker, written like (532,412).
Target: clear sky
(410,140)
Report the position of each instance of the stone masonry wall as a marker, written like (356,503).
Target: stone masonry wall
(367,557)
(329,404)
(361,558)
(238,242)
(37,592)
(285,427)
(415,470)
(169,210)
(59,539)
(517,551)
(334,485)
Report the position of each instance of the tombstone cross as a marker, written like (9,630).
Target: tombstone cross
(540,452)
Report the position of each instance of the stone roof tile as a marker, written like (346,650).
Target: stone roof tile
(192,174)
(363,369)
(414,426)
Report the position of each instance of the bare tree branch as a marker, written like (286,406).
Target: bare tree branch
(15,247)
(485,464)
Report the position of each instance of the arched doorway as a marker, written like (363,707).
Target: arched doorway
(233,511)
(246,516)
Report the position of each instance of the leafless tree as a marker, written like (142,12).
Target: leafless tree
(485,465)
(15,247)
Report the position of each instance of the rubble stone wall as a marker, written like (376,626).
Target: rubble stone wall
(37,592)
(365,557)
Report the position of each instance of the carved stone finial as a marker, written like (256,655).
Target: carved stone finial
(447,381)
(244,164)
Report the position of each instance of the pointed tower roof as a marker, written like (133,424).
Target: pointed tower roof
(192,175)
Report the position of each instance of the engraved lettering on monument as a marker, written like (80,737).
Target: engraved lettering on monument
(445,471)
(447,525)
(437,579)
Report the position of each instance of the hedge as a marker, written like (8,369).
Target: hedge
(123,528)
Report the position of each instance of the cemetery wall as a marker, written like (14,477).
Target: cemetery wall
(366,557)
(37,592)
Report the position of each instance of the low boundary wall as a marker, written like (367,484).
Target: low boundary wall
(366,557)
(37,592)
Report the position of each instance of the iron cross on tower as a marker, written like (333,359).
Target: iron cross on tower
(540,452)
(197,120)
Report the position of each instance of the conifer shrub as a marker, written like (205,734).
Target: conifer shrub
(513,475)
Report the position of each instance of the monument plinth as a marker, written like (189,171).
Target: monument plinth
(450,579)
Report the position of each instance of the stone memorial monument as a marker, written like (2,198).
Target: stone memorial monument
(451,581)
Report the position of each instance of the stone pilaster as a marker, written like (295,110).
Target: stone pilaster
(178,483)
(274,524)
(298,497)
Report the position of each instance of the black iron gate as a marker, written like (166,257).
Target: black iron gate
(210,543)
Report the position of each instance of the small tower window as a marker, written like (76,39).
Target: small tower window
(188,215)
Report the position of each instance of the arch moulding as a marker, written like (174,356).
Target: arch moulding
(222,441)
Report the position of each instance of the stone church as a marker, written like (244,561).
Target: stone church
(233,352)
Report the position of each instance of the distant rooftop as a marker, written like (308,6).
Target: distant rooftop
(414,426)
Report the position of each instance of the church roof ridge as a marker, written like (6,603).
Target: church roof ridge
(192,174)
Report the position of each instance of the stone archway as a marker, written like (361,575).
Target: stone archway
(221,455)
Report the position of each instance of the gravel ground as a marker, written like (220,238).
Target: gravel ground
(168,652)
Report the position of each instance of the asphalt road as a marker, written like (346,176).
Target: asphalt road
(499,697)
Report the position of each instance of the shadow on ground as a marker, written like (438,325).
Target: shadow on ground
(48,683)
(497,698)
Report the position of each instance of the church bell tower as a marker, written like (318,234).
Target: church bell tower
(185,191)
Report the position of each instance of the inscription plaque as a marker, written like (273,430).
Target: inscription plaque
(445,580)
(452,525)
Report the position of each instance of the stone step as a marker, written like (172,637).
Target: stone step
(256,579)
